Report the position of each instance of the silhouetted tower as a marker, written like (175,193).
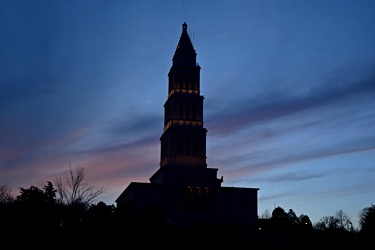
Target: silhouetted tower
(183,188)
(183,142)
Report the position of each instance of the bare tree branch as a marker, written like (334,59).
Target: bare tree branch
(5,194)
(72,190)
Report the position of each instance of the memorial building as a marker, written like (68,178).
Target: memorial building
(184,190)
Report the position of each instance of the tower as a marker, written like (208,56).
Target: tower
(184,191)
(183,142)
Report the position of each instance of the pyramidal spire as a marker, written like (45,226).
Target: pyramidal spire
(185,54)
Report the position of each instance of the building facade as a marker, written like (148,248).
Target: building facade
(184,190)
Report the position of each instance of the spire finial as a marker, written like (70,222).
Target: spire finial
(184,26)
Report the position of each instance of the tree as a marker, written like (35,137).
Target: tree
(100,214)
(338,222)
(265,215)
(6,207)
(367,220)
(31,196)
(76,194)
(343,221)
(326,222)
(6,196)
(305,221)
(50,192)
(279,214)
(37,208)
(72,190)
(292,218)
(279,219)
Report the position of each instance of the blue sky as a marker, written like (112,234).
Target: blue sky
(289,92)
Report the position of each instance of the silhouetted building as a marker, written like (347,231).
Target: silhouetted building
(184,191)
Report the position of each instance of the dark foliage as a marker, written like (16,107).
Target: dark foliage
(38,219)
(367,220)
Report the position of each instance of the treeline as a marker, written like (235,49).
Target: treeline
(65,211)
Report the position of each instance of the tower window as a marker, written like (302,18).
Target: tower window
(194,145)
(197,198)
(181,198)
(180,145)
(181,111)
(189,198)
(193,111)
(206,200)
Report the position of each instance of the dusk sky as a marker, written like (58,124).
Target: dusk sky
(289,91)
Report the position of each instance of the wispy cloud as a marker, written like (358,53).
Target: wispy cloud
(272,105)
